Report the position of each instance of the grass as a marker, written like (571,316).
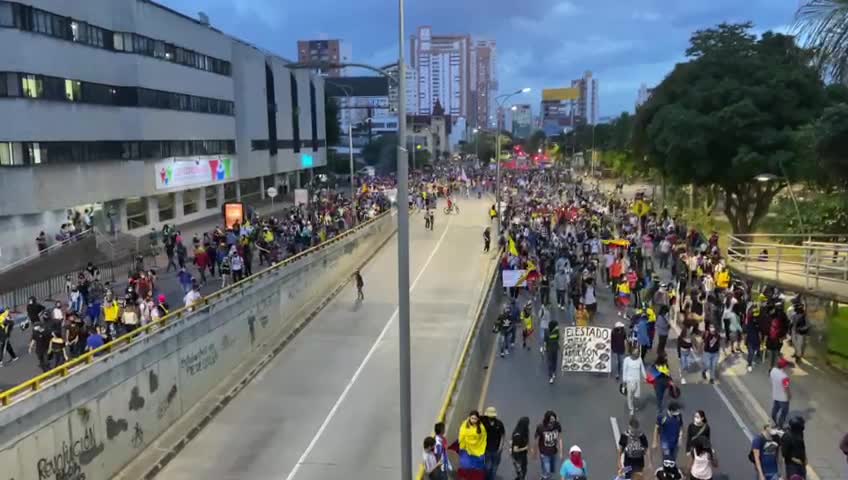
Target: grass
(837,338)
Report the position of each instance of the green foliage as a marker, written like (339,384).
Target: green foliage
(536,141)
(331,120)
(732,112)
(382,152)
(823,24)
(831,144)
(826,214)
(338,163)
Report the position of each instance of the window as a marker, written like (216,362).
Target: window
(7,19)
(118,41)
(79,31)
(136,212)
(159,49)
(166,206)
(4,89)
(211,194)
(54,88)
(230,192)
(7,155)
(73,90)
(32,153)
(190,201)
(42,22)
(31,86)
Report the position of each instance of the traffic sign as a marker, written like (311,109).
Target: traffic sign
(271,192)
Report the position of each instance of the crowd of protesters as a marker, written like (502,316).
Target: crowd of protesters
(663,277)
(93,312)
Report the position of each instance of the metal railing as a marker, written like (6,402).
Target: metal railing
(68,368)
(47,251)
(801,259)
(49,288)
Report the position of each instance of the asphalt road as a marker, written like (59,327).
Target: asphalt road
(327,406)
(592,411)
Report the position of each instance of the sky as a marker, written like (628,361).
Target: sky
(540,43)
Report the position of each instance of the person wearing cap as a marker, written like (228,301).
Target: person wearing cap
(574,467)
(495,432)
(780,392)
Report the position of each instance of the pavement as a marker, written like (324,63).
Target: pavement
(12,374)
(327,405)
(593,412)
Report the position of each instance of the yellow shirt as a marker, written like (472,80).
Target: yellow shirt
(722,279)
(527,319)
(111,312)
(3,317)
(471,440)
(582,318)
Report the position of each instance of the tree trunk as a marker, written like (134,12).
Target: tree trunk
(746,204)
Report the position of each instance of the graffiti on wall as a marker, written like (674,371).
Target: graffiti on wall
(200,360)
(67,464)
(165,404)
(115,427)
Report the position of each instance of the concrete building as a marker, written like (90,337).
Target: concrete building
(442,65)
(643,95)
(365,103)
(142,114)
(484,84)
(327,51)
(586,108)
(520,121)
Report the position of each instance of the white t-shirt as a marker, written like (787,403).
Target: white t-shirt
(191,298)
(778,391)
(429,461)
(589,297)
(702,466)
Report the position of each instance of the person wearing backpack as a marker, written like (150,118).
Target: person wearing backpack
(800,328)
(633,452)
(765,453)
(669,431)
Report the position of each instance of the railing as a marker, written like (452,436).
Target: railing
(167,321)
(47,288)
(46,251)
(815,262)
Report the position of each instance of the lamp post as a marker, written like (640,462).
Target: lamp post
(476,133)
(501,100)
(770,177)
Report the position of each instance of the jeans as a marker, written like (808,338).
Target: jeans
(503,342)
(710,363)
(519,461)
(659,389)
(799,342)
(492,461)
(619,358)
(685,359)
(552,362)
(548,465)
(753,351)
(560,294)
(669,451)
(6,346)
(779,410)
(661,343)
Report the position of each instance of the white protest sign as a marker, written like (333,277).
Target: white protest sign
(511,278)
(586,349)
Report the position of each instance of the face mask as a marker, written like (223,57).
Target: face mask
(699,421)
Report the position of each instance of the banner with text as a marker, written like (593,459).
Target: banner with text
(187,172)
(586,349)
(511,278)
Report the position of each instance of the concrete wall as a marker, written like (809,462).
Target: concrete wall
(94,422)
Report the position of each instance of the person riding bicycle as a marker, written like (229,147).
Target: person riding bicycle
(450,204)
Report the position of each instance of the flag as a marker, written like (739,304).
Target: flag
(529,271)
(512,249)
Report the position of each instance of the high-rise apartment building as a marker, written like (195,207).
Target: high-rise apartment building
(443,69)
(586,108)
(484,84)
(324,51)
(520,121)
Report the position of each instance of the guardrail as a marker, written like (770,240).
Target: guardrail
(68,368)
(46,251)
(817,262)
(45,289)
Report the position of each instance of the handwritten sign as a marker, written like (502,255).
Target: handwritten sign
(586,349)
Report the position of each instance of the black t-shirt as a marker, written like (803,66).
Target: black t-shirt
(634,447)
(494,433)
(519,440)
(548,436)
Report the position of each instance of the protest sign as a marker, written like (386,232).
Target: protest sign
(511,278)
(586,349)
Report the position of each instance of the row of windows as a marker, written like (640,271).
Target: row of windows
(258,145)
(44,87)
(37,153)
(31,19)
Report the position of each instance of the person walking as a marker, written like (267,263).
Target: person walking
(765,453)
(699,428)
(442,448)
(618,346)
(712,348)
(552,350)
(632,375)
(669,432)
(495,433)
(663,327)
(472,447)
(360,284)
(684,352)
(549,441)
(634,454)
(487,239)
(6,326)
(702,460)
(561,280)
(519,447)
(432,466)
(574,467)
(794,449)
(780,392)
(752,340)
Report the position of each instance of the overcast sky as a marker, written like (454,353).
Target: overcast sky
(541,43)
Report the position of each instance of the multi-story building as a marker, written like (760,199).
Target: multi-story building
(484,84)
(325,51)
(520,120)
(442,65)
(142,114)
(586,109)
(643,95)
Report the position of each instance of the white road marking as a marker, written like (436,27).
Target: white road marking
(365,361)
(616,433)
(733,412)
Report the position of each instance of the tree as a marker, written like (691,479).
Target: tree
(536,141)
(331,120)
(823,24)
(730,113)
(382,152)
(831,144)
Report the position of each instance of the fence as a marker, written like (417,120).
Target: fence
(47,251)
(800,261)
(48,288)
(176,316)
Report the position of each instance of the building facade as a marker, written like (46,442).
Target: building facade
(143,115)
(484,84)
(586,108)
(520,121)
(442,69)
(325,51)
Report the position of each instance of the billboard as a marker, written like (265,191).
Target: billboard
(560,94)
(191,171)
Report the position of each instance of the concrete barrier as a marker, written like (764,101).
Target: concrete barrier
(91,424)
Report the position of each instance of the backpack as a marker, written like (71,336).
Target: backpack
(775,329)
(634,447)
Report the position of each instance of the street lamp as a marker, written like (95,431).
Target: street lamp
(476,133)
(770,177)
(501,100)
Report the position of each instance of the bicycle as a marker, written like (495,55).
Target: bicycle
(453,208)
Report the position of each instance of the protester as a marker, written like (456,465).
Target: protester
(519,447)
(574,467)
(668,432)
(780,392)
(472,448)
(794,449)
(765,453)
(549,443)
(495,433)
(702,460)
(699,428)
(634,454)
(633,373)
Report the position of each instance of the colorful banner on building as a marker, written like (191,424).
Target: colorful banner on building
(193,171)
(586,349)
(560,94)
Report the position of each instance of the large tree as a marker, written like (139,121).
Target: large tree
(730,113)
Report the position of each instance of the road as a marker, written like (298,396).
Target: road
(592,412)
(327,406)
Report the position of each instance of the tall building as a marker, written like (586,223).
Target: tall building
(484,84)
(143,115)
(326,51)
(586,108)
(520,121)
(443,69)
(643,95)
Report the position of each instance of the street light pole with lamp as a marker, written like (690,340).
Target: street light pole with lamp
(770,177)
(501,100)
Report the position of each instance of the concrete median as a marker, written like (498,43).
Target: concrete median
(92,423)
